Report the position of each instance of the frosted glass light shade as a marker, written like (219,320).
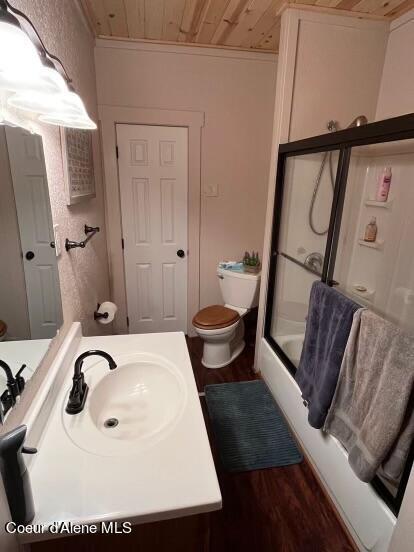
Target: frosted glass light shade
(40,103)
(29,86)
(71,113)
(21,68)
(46,81)
(52,81)
(15,82)
(73,102)
(85,122)
(17,53)
(63,103)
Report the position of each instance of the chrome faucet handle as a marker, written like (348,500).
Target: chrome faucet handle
(314,261)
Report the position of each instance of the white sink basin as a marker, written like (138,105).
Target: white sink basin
(129,408)
(155,464)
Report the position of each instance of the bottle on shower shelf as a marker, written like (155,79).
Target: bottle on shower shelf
(371,231)
(384,183)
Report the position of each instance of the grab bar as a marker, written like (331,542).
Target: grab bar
(299,263)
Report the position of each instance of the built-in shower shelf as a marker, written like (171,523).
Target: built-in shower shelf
(367,294)
(379,244)
(382,204)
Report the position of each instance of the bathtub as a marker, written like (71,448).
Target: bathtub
(292,345)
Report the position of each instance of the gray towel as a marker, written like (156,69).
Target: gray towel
(327,330)
(372,412)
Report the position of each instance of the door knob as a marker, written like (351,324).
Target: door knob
(30,255)
(180,253)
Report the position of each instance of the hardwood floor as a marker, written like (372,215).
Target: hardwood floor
(271,510)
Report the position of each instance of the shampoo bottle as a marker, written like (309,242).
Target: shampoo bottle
(384,183)
(371,231)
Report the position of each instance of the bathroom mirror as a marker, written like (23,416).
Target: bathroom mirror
(30,302)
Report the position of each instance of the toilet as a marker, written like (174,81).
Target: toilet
(221,326)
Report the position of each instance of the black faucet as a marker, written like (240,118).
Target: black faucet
(79,391)
(11,382)
(15,386)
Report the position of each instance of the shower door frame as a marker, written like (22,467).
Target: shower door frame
(343,141)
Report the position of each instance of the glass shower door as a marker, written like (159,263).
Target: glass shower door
(308,192)
(379,274)
(321,235)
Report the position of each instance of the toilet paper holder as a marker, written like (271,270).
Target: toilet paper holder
(97,315)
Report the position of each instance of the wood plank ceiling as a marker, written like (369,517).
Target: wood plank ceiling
(242,24)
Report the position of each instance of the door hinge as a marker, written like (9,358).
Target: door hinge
(127,321)
(123,243)
(117,152)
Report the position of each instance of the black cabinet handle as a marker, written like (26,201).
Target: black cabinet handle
(180,253)
(30,255)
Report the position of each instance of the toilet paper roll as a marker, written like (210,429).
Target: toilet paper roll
(108,307)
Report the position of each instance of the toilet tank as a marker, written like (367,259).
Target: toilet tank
(240,289)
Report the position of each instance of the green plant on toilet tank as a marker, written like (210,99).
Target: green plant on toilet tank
(251,261)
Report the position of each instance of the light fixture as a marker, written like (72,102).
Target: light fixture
(64,109)
(72,113)
(17,52)
(34,80)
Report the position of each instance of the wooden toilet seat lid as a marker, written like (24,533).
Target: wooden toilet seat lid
(215,317)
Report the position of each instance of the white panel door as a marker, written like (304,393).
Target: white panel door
(36,232)
(153,178)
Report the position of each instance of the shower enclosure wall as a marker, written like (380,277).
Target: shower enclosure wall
(320,237)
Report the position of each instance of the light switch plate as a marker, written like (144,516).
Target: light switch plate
(56,233)
(211,190)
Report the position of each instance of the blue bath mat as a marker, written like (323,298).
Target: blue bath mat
(249,428)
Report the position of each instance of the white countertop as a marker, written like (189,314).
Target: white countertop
(172,478)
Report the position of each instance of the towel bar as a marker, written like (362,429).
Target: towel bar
(90,231)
